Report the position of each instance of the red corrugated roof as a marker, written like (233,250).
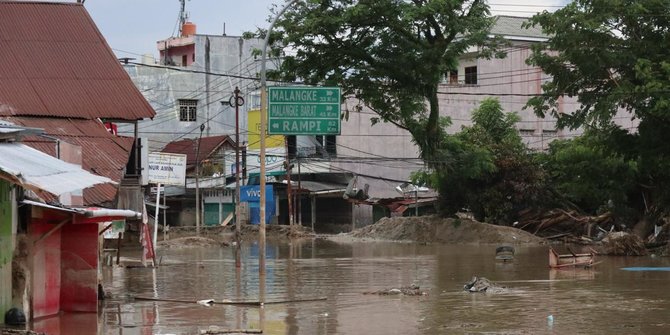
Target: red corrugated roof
(54,62)
(208,146)
(102,153)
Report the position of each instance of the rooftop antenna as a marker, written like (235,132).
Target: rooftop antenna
(183,15)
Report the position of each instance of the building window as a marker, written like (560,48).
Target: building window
(453,77)
(526,132)
(471,75)
(188,110)
(549,132)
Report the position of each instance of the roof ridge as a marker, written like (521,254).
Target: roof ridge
(12,2)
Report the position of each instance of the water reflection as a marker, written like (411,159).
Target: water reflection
(602,300)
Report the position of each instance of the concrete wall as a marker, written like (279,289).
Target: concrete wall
(163,88)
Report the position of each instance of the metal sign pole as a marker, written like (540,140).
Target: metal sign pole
(264,111)
(158,200)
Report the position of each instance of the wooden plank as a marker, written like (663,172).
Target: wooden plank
(227,220)
(248,303)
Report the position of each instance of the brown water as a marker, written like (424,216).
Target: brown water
(603,300)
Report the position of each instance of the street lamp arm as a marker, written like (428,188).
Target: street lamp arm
(266,40)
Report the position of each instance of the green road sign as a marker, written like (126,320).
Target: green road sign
(304,110)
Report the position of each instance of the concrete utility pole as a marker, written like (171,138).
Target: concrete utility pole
(197,182)
(239,101)
(264,121)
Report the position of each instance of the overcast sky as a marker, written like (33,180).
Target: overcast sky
(132,27)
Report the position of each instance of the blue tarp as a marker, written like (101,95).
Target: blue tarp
(648,268)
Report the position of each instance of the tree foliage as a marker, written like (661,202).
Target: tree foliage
(389,54)
(613,56)
(487,169)
(583,172)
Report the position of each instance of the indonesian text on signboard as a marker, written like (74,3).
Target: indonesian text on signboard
(167,169)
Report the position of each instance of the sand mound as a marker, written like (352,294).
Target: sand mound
(444,230)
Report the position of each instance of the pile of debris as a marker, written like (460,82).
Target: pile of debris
(571,227)
(412,290)
(623,244)
(566,224)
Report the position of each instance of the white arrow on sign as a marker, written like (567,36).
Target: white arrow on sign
(329,108)
(329,93)
(275,125)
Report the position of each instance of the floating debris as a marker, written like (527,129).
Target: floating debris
(505,253)
(412,290)
(572,259)
(481,284)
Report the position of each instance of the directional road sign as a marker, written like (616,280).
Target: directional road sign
(304,110)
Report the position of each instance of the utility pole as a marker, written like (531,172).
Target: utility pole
(197,182)
(299,195)
(288,185)
(237,101)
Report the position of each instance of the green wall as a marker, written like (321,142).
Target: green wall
(6,247)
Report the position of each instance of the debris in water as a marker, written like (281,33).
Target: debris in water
(481,284)
(505,253)
(624,244)
(412,290)
(206,302)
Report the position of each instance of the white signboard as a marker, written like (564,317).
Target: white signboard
(274,160)
(166,168)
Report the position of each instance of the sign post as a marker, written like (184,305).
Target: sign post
(165,169)
(301,110)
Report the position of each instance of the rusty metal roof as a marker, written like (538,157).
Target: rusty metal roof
(102,153)
(56,63)
(208,147)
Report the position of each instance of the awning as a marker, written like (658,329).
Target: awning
(34,169)
(320,187)
(91,212)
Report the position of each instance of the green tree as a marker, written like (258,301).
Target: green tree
(586,174)
(487,168)
(613,56)
(391,55)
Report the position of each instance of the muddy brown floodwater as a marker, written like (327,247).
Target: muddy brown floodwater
(537,300)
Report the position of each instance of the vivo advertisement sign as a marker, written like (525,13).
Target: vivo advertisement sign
(252,195)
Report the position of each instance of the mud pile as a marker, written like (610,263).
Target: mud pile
(430,229)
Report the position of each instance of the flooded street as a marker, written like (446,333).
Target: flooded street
(603,300)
